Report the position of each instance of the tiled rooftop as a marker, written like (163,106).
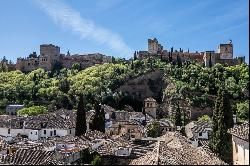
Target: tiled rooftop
(241,131)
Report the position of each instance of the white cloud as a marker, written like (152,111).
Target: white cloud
(67,17)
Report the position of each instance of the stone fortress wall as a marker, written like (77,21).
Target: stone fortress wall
(50,55)
(224,55)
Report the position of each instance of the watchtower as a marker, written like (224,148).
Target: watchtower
(226,50)
(150,106)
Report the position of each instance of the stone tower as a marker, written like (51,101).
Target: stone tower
(49,55)
(154,47)
(226,50)
(206,57)
(150,106)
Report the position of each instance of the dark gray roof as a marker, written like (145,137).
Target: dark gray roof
(201,126)
(27,157)
(62,119)
(166,123)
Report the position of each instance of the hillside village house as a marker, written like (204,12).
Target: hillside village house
(240,142)
(13,108)
(60,123)
(198,132)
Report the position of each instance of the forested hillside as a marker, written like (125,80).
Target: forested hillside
(61,89)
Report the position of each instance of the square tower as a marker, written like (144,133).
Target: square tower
(226,51)
(150,106)
(154,47)
(49,55)
(209,57)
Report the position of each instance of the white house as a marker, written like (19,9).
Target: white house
(13,108)
(240,142)
(60,123)
(122,151)
(198,131)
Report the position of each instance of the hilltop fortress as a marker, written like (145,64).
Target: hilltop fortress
(50,56)
(224,55)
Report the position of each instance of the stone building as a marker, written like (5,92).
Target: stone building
(240,141)
(60,123)
(198,131)
(150,106)
(224,55)
(50,56)
(154,47)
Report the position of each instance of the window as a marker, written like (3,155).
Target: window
(147,104)
(51,133)
(54,132)
(8,131)
(30,132)
(150,104)
(44,132)
(200,134)
(69,131)
(28,64)
(36,133)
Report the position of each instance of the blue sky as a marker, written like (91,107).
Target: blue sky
(119,27)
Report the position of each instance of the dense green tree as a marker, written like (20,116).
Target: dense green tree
(205,118)
(222,121)
(81,118)
(154,129)
(32,111)
(64,85)
(76,66)
(97,160)
(242,111)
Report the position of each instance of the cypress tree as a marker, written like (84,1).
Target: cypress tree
(113,116)
(135,56)
(151,64)
(222,121)
(96,122)
(170,57)
(132,65)
(102,121)
(179,61)
(81,118)
(178,121)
